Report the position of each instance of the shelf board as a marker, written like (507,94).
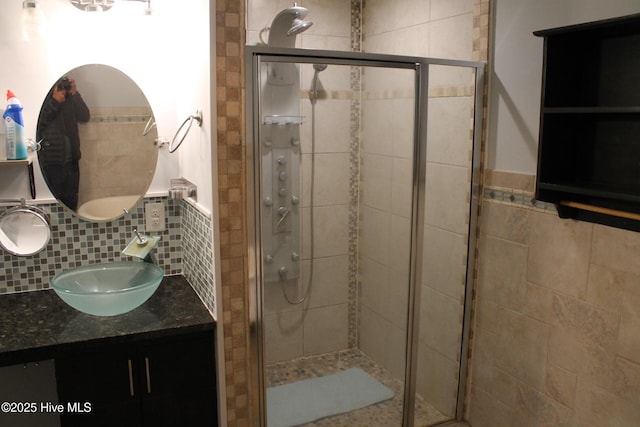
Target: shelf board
(602,193)
(591,110)
(27,161)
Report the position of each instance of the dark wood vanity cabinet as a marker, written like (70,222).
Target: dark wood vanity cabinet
(159,382)
(589,145)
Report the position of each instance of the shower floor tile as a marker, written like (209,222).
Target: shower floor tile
(384,414)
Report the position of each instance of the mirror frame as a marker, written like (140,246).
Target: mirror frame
(21,215)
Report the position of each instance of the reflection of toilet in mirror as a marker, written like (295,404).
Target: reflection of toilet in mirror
(106,208)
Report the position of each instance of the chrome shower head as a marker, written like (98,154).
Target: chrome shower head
(298,26)
(286,24)
(320,67)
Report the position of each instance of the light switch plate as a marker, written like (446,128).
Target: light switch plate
(154,217)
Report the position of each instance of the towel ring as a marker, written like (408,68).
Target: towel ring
(197,117)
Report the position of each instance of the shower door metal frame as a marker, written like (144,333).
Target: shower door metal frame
(254,56)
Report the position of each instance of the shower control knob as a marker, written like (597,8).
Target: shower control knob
(295,256)
(283,176)
(268,259)
(268,201)
(283,192)
(295,200)
(267,143)
(282,160)
(295,142)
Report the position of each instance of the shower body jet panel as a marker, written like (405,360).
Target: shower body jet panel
(280,153)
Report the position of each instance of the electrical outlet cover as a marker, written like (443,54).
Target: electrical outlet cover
(154,217)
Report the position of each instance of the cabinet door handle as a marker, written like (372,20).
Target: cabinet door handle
(131,390)
(146,366)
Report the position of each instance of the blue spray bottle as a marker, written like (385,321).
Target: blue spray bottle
(14,127)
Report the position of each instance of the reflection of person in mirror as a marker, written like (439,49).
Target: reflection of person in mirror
(57,130)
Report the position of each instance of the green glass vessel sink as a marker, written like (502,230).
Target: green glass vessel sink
(108,289)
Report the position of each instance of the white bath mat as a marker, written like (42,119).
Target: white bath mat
(309,400)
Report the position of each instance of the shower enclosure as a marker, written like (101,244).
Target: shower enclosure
(362,182)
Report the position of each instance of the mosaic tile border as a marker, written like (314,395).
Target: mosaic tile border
(518,198)
(76,242)
(197,240)
(354,179)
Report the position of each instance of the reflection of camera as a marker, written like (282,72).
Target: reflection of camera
(64,84)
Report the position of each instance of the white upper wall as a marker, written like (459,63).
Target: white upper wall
(516,77)
(166,54)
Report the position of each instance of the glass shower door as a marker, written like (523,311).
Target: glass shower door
(335,201)
(348,310)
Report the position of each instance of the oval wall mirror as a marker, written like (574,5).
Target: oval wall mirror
(24,230)
(98,149)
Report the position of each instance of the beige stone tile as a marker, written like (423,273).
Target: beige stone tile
(283,335)
(538,300)
(330,281)
(331,186)
(559,253)
(440,322)
(449,130)
(437,380)
(511,180)
(400,247)
(483,357)
(325,329)
(487,411)
(375,188)
(598,407)
(606,286)
(561,385)
(586,359)
(446,197)
(373,330)
(522,348)
(330,231)
(629,334)
(402,187)
(486,314)
(374,286)
(375,233)
(504,221)
(443,261)
(533,408)
(626,380)
(501,272)
(588,324)
(616,248)
(447,8)
(413,40)
(377,127)
(403,116)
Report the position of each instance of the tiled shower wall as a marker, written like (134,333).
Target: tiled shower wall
(557,333)
(230,27)
(113,162)
(438,29)
(75,242)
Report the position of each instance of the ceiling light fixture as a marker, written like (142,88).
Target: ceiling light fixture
(104,5)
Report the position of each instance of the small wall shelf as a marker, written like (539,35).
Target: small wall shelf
(589,147)
(283,120)
(28,162)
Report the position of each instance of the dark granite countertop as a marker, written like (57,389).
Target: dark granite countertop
(37,325)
